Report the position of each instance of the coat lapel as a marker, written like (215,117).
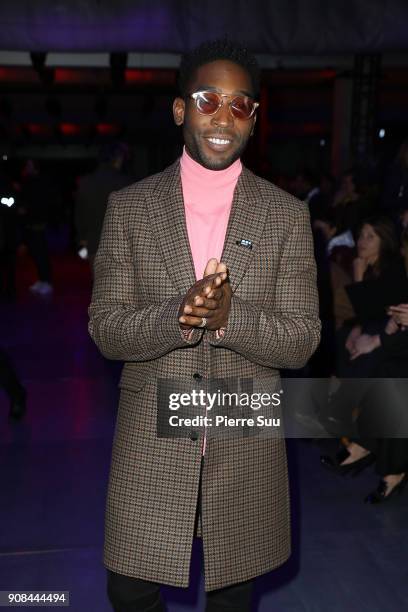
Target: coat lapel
(246,223)
(167,217)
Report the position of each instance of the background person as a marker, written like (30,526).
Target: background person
(92,195)
(37,196)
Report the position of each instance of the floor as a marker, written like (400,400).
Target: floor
(54,467)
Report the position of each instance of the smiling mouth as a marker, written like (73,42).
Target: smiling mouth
(218,144)
(219,141)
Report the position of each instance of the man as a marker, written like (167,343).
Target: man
(92,195)
(37,199)
(254,311)
(306,188)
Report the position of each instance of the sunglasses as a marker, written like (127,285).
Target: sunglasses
(209,102)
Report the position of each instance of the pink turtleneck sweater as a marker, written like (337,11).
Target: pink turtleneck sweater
(208,198)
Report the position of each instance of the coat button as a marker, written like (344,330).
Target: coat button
(197,376)
(194,436)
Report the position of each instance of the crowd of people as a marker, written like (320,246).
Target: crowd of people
(361,247)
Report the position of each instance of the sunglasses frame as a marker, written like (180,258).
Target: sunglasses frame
(196,94)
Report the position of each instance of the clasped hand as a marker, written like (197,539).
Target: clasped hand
(209,298)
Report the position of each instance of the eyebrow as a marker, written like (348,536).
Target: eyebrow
(240,92)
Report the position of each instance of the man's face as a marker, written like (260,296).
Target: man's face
(199,130)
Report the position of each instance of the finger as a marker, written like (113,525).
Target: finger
(220,279)
(207,290)
(211,267)
(215,282)
(206,302)
(222,267)
(215,294)
(209,304)
(191,321)
(196,311)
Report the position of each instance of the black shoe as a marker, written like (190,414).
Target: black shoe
(379,495)
(18,404)
(354,468)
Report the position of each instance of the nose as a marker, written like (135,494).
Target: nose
(223,115)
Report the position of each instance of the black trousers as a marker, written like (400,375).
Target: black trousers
(128,594)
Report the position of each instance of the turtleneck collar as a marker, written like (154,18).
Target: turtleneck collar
(195,174)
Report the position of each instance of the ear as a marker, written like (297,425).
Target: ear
(178,111)
(253,125)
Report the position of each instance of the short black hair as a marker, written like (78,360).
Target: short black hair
(211,51)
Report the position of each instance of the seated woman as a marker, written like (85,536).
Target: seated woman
(379,281)
(382,410)
(381,402)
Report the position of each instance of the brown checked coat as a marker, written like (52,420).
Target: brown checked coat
(143,269)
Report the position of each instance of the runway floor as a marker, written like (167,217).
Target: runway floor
(54,467)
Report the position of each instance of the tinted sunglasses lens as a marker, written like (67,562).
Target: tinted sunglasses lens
(207,103)
(242,107)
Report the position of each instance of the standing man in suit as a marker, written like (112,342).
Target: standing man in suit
(204,271)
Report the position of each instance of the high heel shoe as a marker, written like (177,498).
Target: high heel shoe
(379,495)
(354,468)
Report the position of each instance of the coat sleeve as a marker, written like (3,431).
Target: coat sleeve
(119,329)
(289,336)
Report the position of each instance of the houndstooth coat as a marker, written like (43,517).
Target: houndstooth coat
(143,269)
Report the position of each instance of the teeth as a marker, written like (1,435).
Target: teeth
(219,141)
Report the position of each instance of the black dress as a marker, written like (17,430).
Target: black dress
(373,384)
(370,299)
